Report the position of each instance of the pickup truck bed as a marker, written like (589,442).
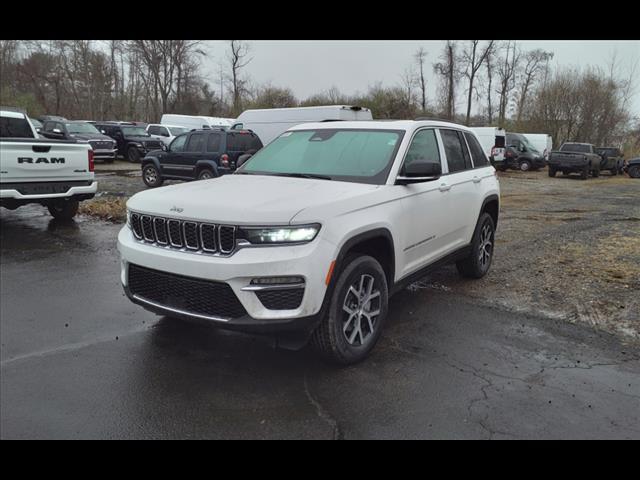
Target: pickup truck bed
(567,161)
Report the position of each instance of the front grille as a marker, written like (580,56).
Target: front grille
(101,145)
(286,299)
(152,145)
(183,234)
(191,295)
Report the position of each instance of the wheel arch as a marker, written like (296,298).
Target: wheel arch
(208,164)
(491,205)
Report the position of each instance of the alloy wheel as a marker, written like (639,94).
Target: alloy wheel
(486,245)
(362,308)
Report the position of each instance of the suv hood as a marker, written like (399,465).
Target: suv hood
(91,136)
(138,138)
(246,199)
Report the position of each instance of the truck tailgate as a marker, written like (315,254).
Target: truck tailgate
(32,160)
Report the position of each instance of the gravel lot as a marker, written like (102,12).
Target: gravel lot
(566,248)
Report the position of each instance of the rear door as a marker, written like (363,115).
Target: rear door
(460,184)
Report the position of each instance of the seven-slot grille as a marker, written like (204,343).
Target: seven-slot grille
(152,144)
(184,234)
(101,145)
(186,294)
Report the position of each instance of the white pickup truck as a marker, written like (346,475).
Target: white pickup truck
(56,174)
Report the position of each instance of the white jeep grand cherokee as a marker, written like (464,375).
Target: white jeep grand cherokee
(310,237)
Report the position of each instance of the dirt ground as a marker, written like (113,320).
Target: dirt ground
(565,248)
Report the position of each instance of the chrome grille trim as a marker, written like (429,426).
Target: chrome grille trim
(185,236)
(175,234)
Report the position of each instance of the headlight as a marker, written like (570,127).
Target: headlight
(275,235)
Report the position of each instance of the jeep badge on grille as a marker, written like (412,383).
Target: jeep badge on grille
(176,209)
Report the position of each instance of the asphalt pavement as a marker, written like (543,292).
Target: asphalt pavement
(78,360)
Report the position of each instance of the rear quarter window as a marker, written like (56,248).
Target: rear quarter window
(479,158)
(15,127)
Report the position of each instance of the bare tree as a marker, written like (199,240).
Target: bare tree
(237,61)
(472,58)
(507,67)
(420,57)
(447,69)
(534,63)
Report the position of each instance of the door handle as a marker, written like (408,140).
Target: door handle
(476,179)
(444,187)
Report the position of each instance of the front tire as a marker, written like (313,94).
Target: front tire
(64,209)
(477,264)
(585,173)
(595,173)
(552,172)
(634,171)
(133,155)
(356,314)
(151,176)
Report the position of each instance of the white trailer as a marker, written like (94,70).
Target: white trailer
(492,140)
(541,141)
(195,121)
(269,123)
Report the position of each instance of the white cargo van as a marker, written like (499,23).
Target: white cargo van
(492,140)
(193,121)
(269,123)
(542,142)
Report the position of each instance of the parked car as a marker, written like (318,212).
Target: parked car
(521,155)
(133,142)
(575,158)
(165,133)
(310,237)
(612,159)
(104,147)
(633,168)
(269,123)
(493,141)
(195,121)
(199,155)
(54,173)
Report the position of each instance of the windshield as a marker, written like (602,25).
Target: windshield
(529,146)
(575,147)
(175,131)
(363,156)
(135,131)
(81,128)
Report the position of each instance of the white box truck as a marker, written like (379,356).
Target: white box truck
(195,121)
(493,142)
(269,123)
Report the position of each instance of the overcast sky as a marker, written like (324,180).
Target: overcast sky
(312,66)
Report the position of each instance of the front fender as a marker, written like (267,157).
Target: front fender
(150,159)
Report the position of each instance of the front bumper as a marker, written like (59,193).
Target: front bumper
(310,261)
(105,154)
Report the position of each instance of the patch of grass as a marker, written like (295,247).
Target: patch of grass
(111,209)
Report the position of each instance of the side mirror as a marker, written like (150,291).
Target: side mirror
(164,147)
(419,171)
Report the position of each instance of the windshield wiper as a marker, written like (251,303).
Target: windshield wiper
(302,175)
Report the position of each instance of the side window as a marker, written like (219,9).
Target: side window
(164,131)
(479,158)
(15,127)
(213,142)
(60,127)
(256,144)
(154,130)
(232,142)
(454,150)
(48,126)
(424,147)
(178,143)
(196,142)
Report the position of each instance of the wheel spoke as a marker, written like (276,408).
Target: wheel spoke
(348,322)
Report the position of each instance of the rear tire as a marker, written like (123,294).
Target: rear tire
(634,171)
(205,174)
(525,165)
(595,173)
(477,264)
(356,313)
(614,172)
(63,209)
(151,176)
(552,172)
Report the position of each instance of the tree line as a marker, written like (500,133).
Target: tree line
(477,83)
